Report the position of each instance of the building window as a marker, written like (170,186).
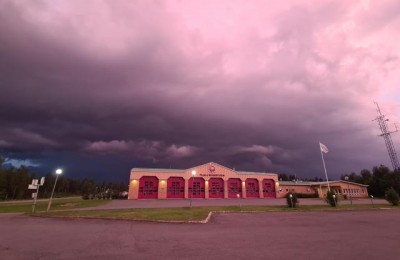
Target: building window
(149,188)
(216,189)
(175,188)
(251,188)
(196,188)
(234,188)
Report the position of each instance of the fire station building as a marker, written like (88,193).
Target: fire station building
(206,181)
(344,189)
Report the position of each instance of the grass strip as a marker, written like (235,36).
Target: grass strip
(56,204)
(187,214)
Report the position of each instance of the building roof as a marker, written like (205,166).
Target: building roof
(311,183)
(183,170)
(297,183)
(156,170)
(242,172)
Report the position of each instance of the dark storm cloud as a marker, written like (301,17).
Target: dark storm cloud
(170,88)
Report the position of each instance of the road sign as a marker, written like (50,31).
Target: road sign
(41,181)
(35,182)
(32,187)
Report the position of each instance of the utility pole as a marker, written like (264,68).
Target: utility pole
(388,139)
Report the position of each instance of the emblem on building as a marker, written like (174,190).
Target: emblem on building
(211,169)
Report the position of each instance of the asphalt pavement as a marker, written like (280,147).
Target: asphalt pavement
(369,234)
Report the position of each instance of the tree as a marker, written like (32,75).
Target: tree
(3,185)
(48,185)
(2,160)
(14,185)
(381,181)
(291,200)
(88,186)
(392,196)
(366,176)
(63,185)
(283,177)
(331,198)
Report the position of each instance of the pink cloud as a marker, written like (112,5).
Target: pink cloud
(175,151)
(259,78)
(148,150)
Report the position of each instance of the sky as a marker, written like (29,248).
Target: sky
(100,87)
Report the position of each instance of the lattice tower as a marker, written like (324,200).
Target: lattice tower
(381,119)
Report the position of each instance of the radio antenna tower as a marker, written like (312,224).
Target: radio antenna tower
(388,139)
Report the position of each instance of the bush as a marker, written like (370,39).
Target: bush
(392,196)
(331,198)
(292,202)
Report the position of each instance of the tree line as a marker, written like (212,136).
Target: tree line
(379,180)
(14,185)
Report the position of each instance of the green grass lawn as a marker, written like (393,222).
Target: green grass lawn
(192,214)
(56,204)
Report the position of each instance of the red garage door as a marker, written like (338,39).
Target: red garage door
(148,187)
(216,188)
(176,188)
(268,188)
(234,188)
(196,188)
(252,188)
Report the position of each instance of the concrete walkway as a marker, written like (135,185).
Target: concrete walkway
(171,203)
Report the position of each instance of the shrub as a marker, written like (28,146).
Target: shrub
(331,199)
(292,202)
(392,196)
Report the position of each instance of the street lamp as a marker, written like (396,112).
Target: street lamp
(240,203)
(58,173)
(291,200)
(348,189)
(191,194)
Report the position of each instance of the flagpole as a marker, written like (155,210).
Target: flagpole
(323,162)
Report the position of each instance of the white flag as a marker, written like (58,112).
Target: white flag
(323,148)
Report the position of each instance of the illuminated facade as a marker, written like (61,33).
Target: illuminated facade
(206,181)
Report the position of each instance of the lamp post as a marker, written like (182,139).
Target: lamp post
(348,189)
(334,199)
(291,200)
(372,200)
(240,203)
(191,194)
(58,173)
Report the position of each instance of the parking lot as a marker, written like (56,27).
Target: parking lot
(369,234)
